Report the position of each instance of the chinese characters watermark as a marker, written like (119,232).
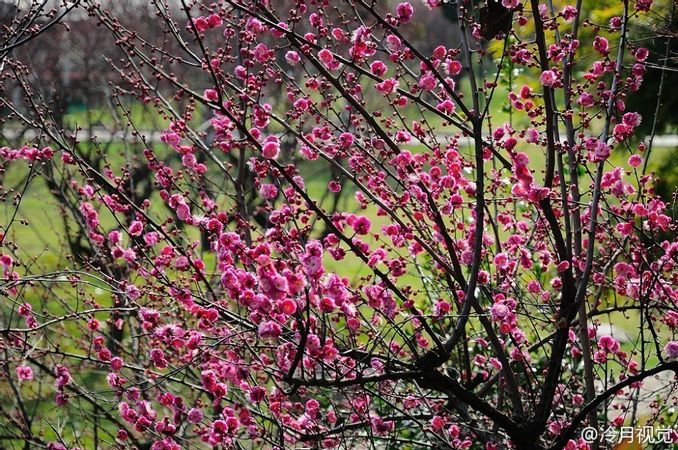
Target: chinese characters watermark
(640,435)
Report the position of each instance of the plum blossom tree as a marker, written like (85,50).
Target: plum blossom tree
(453,297)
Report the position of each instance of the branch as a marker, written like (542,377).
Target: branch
(566,435)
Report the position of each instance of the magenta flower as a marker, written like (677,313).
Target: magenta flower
(548,78)
(24,373)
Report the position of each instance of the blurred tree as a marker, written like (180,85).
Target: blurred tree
(656,100)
